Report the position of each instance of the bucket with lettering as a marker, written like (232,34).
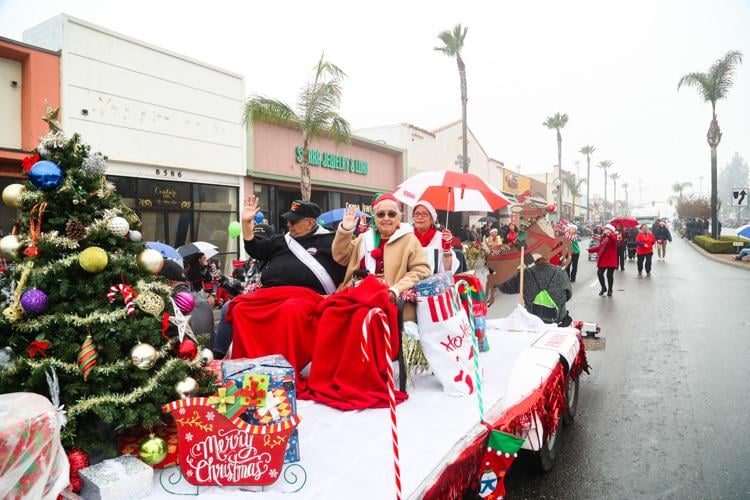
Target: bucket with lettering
(445,334)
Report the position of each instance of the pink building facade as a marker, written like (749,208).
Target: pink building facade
(341,174)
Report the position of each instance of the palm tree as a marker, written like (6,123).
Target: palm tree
(679,187)
(558,121)
(604,165)
(316,115)
(573,184)
(712,86)
(588,151)
(625,186)
(453,43)
(614,176)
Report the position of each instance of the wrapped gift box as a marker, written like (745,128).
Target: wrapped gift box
(120,478)
(130,442)
(269,383)
(32,460)
(434,285)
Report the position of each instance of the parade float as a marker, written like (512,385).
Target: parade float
(87,324)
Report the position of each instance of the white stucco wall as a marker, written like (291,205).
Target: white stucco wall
(10,104)
(145,107)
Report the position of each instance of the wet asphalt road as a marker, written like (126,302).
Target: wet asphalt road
(665,411)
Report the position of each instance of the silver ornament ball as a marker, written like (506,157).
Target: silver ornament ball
(207,356)
(94,164)
(186,387)
(135,235)
(143,356)
(118,226)
(7,357)
(9,246)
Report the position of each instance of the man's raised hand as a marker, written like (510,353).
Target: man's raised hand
(250,210)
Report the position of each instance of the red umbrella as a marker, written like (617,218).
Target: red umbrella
(451,191)
(627,222)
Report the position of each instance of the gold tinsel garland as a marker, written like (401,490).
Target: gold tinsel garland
(74,369)
(72,319)
(116,258)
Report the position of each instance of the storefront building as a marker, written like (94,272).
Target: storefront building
(29,76)
(341,173)
(171,127)
(523,189)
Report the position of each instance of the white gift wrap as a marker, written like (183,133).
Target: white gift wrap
(120,478)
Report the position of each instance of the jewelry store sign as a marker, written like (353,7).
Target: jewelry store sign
(329,160)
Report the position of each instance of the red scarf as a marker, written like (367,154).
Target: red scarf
(426,237)
(376,254)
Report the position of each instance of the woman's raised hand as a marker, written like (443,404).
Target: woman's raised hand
(350,217)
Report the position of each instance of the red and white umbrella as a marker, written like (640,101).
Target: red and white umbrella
(451,191)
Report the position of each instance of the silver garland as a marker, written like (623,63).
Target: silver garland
(53,140)
(94,164)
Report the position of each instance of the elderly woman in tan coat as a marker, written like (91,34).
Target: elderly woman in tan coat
(390,250)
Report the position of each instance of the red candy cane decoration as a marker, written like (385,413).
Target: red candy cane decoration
(380,314)
(128,294)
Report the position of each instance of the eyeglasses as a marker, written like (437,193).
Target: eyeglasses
(420,214)
(392,214)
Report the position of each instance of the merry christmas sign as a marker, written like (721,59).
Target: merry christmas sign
(219,451)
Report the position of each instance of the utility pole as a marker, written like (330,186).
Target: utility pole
(700,185)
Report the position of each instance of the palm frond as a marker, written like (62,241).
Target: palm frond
(339,129)
(714,84)
(453,41)
(587,150)
(605,164)
(556,121)
(264,109)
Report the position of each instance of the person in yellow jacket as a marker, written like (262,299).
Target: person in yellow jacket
(389,250)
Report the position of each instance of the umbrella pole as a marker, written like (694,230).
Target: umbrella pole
(523,268)
(447,212)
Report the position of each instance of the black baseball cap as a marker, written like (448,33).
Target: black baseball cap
(302,210)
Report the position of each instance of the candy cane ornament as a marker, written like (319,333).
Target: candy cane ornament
(128,295)
(366,325)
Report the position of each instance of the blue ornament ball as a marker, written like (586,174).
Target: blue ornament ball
(45,175)
(259,218)
(34,301)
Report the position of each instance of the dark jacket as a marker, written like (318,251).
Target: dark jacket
(535,280)
(662,233)
(284,269)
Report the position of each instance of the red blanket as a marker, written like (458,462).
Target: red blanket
(303,326)
(275,320)
(338,377)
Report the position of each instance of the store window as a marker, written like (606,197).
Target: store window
(178,213)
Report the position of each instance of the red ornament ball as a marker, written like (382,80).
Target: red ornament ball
(188,350)
(78,460)
(551,208)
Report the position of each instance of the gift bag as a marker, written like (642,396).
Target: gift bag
(446,337)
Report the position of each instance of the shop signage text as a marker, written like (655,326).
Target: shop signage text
(332,161)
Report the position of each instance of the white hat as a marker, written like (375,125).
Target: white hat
(610,227)
(493,230)
(429,207)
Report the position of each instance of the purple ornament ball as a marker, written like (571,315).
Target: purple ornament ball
(34,301)
(185,301)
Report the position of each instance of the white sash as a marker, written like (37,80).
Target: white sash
(308,260)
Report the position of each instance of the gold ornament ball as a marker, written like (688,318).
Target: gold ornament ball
(118,226)
(143,356)
(150,260)
(12,313)
(9,246)
(11,194)
(93,259)
(153,450)
(186,387)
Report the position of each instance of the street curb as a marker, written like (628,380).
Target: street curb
(716,259)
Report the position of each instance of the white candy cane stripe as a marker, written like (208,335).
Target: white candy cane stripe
(381,315)
(365,332)
(127,295)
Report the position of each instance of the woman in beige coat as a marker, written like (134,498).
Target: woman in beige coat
(389,250)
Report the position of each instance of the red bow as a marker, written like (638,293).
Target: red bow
(254,394)
(29,162)
(38,347)
(377,254)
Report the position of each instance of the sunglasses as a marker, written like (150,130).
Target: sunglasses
(420,214)
(391,214)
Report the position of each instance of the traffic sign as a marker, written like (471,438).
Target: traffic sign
(740,197)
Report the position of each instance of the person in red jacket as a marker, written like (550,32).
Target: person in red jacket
(607,261)
(645,249)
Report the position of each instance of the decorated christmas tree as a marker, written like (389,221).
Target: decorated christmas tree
(83,301)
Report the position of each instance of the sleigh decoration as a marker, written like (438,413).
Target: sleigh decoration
(217,448)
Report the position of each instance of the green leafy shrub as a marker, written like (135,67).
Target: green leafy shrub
(711,245)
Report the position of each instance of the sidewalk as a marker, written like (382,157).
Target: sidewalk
(724,258)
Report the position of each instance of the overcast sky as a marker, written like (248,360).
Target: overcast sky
(611,66)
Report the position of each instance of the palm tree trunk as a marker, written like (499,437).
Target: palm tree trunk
(588,183)
(559,176)
(714,197)
(605,196)
(614,199)
(464,127)
(305,182)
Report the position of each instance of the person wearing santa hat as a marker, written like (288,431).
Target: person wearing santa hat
(607,261)
(389,250)
(435,243)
